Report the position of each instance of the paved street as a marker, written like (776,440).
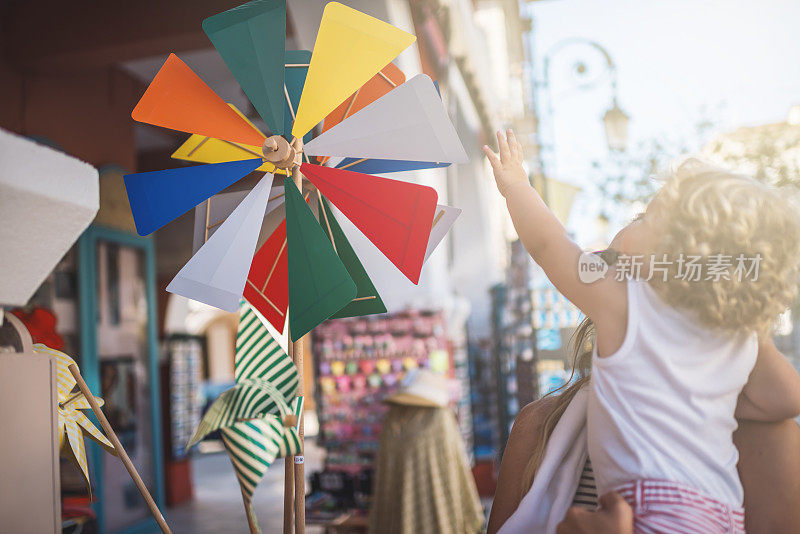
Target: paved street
(217,507)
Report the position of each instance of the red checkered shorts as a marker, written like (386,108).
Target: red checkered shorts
(660,506)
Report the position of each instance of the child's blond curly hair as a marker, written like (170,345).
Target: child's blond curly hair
(722,216)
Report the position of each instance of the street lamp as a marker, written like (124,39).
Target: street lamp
(615,120)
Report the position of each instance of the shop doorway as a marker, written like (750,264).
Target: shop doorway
(120,362)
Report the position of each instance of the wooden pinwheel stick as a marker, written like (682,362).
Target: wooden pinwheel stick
(288,495)
(288,484)
(248,512)
(287,155)
(297,356)
(119,449)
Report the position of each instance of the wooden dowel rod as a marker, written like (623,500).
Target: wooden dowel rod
(288,488)
(208,218)
(126,461)
(356,162)
(387,79)
(249,511)
(288,496)
(350,105)
(299,460)
(242,147)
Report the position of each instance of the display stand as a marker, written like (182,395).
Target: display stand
(30,484)
(27,348)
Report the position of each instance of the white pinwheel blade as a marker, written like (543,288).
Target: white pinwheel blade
(281,337)
(217,273)
(442,222)
(407,123)
(220,206)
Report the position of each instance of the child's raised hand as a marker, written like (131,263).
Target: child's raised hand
(507,166)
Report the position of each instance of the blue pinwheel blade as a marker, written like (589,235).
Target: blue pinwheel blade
(158,197)
(381,166)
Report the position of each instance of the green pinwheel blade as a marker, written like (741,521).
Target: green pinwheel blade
(251,39)
(295,78)
(367,300)
(319,284)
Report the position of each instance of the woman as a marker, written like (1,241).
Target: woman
(769,467)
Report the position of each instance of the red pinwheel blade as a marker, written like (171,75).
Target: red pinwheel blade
(178,99)
(267,287)
(396,216)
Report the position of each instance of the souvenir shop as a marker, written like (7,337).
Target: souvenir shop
(359,362)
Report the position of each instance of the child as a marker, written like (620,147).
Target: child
(675,352)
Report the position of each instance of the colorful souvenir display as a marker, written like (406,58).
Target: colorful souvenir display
(360,362)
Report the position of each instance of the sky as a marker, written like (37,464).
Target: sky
(734,62)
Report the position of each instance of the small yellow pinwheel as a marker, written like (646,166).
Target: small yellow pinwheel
(72,422)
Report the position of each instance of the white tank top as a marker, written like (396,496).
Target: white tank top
(661,407)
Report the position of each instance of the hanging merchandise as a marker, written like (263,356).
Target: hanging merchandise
(361,361)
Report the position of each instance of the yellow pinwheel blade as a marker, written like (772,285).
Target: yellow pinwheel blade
(202,149)
(93,432)
(75,439)
(351,47)
(65,381)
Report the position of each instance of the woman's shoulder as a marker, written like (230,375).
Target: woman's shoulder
(522,441)
(532,416)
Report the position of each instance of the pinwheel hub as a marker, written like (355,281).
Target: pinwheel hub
(289,420)
(282,153)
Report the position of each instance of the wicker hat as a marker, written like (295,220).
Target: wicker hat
(421,387)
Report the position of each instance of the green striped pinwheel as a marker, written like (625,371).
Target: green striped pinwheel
(266,379)
(254,445)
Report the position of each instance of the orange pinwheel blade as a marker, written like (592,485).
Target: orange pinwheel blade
(387,79)
(178,99)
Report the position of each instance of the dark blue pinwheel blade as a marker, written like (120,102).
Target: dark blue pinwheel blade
(380,166)
(158,197)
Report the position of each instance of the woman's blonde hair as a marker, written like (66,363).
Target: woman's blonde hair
(582,343)
(731,221)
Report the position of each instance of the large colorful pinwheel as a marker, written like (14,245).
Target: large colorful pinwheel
(374,121)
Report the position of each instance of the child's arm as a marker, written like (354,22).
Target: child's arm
(772,392)
(547,242)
